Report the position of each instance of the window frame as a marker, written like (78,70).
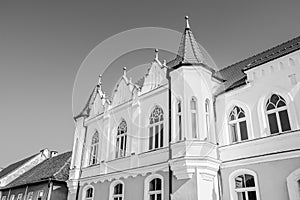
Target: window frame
(179,120)
(119,152)
(28,195)
(94,149)
(207,117)
(293,185)
(19,197)
(160,125)
(237,121)
(276,111)
(234,191)
(112,187)
(86,188)
(40,191)
(194,112)
(147,181)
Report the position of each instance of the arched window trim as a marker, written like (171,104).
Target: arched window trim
(233,175)
(207,117)
(237,122)
(121,136)
(194,118)
(112,187)
(276,110)
(93,157)
(147,181)
(152,128)
(85,192)
(293,185)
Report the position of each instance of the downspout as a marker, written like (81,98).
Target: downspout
(170,134)
(82,154)
(219,178)
(50,189)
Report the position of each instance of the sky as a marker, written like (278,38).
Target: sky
(44,43)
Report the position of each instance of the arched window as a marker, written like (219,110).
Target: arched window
(121,141)
(194,116)
(179,119)
(238,125)
(207,117)
(244,185)
(156,128)
(277,114)
(94,149)
(293,185)
(118,192)
(89,194)
(154,187)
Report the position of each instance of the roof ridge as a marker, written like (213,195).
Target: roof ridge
(260,53)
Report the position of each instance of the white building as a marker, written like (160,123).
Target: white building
(192,132)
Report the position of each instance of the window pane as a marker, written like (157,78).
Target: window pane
(158,196)
(194,125)
(179,127)
(156,136)
(233,132)
(252,195)
(249,180)
(274,99)
(241,196)
(151,138)
(152,185)
(240,182)
(243,130)
(273,123)
(193,104)
(284,120)
(280,104)
(179,107)
(161,135)
(158,184)
(152,197)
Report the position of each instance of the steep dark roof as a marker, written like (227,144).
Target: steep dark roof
(56,168)
(15,166)
(234,74)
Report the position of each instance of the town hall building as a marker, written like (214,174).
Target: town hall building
(189,131)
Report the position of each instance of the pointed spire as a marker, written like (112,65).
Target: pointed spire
(187,25)
(124,71)
(99,81)
(188,51)
(156,54)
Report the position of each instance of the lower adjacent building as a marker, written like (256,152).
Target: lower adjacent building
(45,181)
(189,131)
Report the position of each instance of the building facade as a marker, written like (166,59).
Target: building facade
(190,131)
(45,181)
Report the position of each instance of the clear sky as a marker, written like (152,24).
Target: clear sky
(43,43)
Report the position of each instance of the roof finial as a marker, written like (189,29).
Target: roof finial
(156,54)
(124,71)
(187,25)
(99,81)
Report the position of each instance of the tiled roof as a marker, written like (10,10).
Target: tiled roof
(14,166)
(234,74)
(56,168)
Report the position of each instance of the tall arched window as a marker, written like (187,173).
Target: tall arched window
(207,117)
(277,114)
(121,141)
(118,192)
(179,119)
(94,149)
(156,128)
(89,194)
(238,125)
(194,116)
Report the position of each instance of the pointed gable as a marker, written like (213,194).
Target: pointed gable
(123,91)
(155,77)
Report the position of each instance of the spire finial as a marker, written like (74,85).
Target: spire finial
(124,71)
(187,25)
(99,81)
(156,54)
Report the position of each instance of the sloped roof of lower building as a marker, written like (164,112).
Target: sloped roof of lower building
(234,74)
(15,166)
(55,168)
